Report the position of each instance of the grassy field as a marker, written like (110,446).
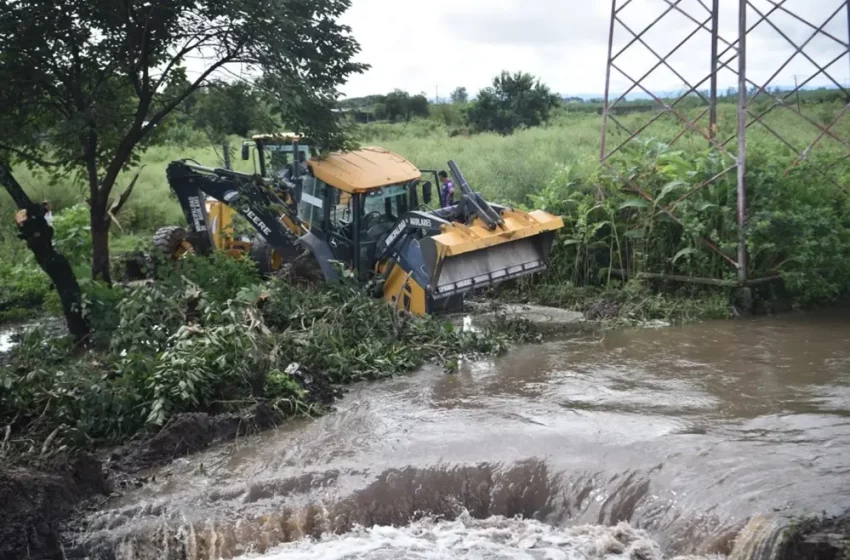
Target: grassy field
(151,204)
(798,221)
(504,168)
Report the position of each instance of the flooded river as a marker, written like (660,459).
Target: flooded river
(701,440)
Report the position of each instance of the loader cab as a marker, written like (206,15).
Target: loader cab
(274,152)
(352,224)
(349,201)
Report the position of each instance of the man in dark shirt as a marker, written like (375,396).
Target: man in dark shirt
(447,190)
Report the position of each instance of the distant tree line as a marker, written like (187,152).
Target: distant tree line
(728,96)
(396,106)
(513,101)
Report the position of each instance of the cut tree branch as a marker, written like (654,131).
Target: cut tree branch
(29,157)
(14,188)
(34,229)
(122,200)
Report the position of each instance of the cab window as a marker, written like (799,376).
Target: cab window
(312,207)
(341,212)
(280,156)
(391,202)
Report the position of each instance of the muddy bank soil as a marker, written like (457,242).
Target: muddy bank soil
(38,497)
(826,538)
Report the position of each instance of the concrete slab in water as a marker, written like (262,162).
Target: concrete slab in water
(546,319)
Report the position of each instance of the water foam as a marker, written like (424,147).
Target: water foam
(495,538)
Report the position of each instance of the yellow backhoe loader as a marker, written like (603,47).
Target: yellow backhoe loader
(368,210)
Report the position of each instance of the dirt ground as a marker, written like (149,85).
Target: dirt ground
(39,497)
(826,538)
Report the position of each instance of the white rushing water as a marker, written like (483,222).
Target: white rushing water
(496,538)
(6,343)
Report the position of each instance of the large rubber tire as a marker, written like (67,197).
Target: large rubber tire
(303,271)
(169,240)
(264,255)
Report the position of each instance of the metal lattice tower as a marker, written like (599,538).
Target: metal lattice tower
(698,47)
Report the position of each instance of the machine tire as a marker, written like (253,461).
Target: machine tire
(264,255)
(167,240)
(303,271)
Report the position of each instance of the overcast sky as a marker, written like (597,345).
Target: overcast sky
(437,45)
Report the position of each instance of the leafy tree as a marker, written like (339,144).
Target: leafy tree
(223,109)
(418,107)
(450,114)
(87,83)
(460,95)
(380,110)
(513,101)
(397,105)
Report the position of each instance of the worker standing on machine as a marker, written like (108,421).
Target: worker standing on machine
(447,190)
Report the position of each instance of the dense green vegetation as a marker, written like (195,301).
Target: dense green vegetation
(209,336)
(796,221)
(92,113)
(513,101)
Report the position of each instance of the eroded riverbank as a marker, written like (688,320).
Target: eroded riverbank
(689,433)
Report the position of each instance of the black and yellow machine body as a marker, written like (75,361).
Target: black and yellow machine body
(369,212)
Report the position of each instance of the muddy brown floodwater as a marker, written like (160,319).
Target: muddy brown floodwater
(701,440)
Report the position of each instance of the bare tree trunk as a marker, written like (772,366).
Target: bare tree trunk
(100,246)
(38,234)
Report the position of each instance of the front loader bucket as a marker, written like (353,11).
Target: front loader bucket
(464,258)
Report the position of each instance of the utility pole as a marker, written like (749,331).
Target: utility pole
(797,90)
(743,115)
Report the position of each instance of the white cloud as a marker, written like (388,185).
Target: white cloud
(437,45)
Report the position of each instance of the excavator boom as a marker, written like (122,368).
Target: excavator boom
(252,197)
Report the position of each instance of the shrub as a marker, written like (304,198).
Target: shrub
(219,276)
(219,364)
(23,289)
(72,234)
(350,337)
(795,228)
(514,101)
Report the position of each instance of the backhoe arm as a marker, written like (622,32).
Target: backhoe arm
(255,202)
(473,203)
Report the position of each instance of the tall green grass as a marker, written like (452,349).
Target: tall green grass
(509,168)
(151,206)
(504,168)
